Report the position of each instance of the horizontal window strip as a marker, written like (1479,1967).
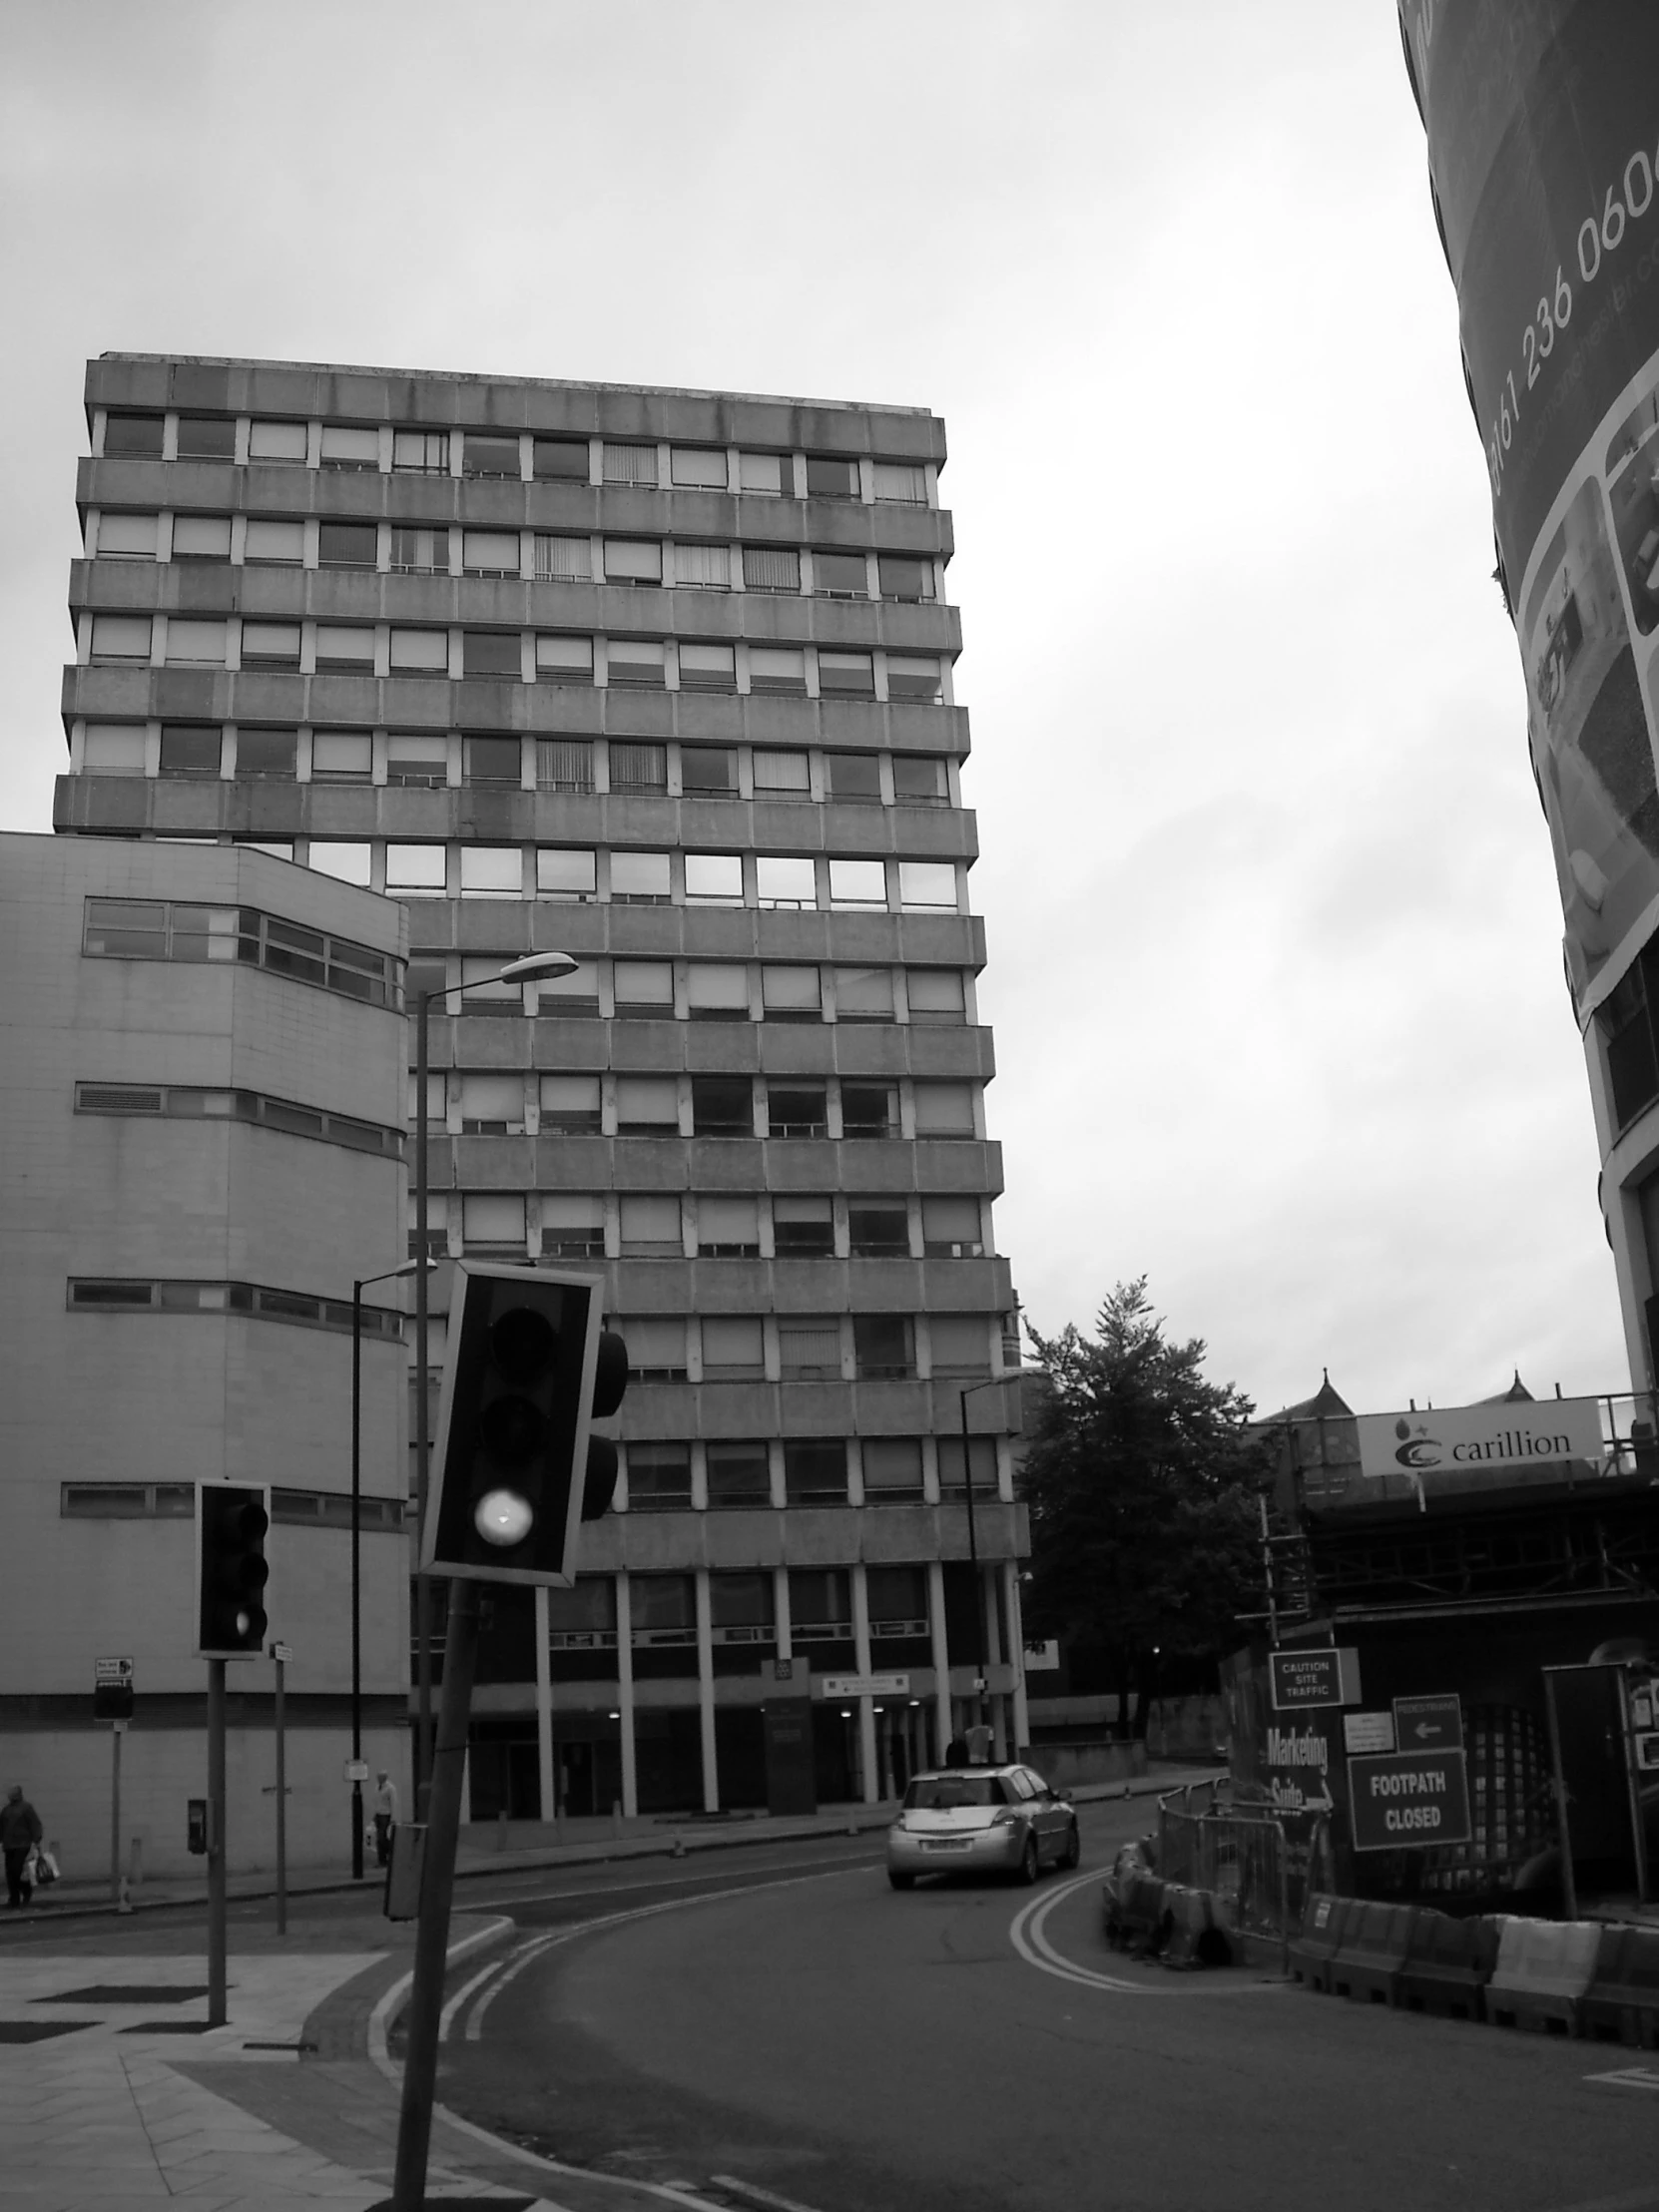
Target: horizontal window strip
(175,929)
(250,1301)
(195,1102)
(333,1509)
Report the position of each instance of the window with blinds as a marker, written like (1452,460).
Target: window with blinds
(713,878)
(733,1347)
(702,567)
(650,1227)
(783,879)
(490,552)
(564,560)
(203,643)
(951,1228)
(492,872)
(127,537)
(945,1110)
(790,995)
(421,452)
(863,994)
(572,1225)
(570,997)
(492,1105)
(347,647)
(728,1228)
(915,677)
(803,1225)
(565,874)
(707,667)
(570,1103)
(282,542)
(857,883)
(769,474)
(564,660)
(935,994)
(893,1472)
(635,663)
(492,1223)
(656,1346)
(770,568)
(809,1351)
(644,988)
(717,990)
(638,767)
(927,884)
(901,483)
(416,551)
(700,468)
(632,561)
(201,537)
(785,774)
(629,464)
(564,765)
(350,446)
(647,1106)
(640,878)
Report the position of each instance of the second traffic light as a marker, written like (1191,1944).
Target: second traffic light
(230,1570)
(514,1470)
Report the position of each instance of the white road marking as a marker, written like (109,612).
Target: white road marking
(1026,1931)
(1630,2077)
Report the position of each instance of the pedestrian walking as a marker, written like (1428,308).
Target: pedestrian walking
(20,1832)
(385,1816)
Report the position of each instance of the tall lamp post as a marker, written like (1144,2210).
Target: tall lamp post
(996,1383)
(535,964)
(358,1287)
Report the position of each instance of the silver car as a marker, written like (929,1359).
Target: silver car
(973,1819)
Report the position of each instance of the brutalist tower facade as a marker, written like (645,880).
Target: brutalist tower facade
(664,679)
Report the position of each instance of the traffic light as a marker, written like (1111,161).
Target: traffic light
(514,1470)
(230,1570)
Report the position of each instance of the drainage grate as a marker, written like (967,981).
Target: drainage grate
(37,2031)
(126,1992)
(165,2027)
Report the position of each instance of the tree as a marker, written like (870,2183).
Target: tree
(1142,1483)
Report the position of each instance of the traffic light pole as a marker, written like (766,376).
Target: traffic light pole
(216,1843)
(424,1440)
(420,2060)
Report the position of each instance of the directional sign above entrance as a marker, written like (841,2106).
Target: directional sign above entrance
(1322,1674)
(1404,1799)
(1429,1723)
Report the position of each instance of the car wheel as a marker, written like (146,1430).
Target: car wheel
(900,1880)
(1028,1861)
(1075,1848)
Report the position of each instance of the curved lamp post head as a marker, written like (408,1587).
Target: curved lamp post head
(537,964)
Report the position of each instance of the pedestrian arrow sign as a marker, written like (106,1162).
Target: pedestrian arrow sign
(1434,1723)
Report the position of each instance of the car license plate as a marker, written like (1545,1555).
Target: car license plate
(948,1842)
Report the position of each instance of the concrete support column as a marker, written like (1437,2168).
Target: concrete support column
(993,1658)
(780,1609)
(867,1705)
(942,1660)
(544,1709)
(625,1697)
(1016,1637)
(705,1693)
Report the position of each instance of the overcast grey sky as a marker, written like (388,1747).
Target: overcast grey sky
(1275,964)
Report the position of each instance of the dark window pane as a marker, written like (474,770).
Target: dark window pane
(705,767)
(486,457)
(190,749)
(827,479)
(137,434)
(266,752)
(206,438)
(347,544)
(722,1106)
(494,760)
(492,653)
(567,457)
(855,776)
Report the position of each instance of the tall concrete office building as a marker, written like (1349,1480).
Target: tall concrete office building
(662,679)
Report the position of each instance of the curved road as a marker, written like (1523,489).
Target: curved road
(970,2046)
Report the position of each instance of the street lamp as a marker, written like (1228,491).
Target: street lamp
(533,964)
(996,1382)
(361,1283)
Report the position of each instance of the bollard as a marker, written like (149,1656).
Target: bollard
(122,1902)
(616,1816)
(677,1850)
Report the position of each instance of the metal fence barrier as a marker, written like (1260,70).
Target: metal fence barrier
(1256,1875)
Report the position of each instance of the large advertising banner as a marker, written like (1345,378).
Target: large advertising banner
(1481,1439)
(1543,153)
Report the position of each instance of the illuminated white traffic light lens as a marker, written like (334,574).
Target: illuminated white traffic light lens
(502,1518)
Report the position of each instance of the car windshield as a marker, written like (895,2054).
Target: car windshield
(940,1793)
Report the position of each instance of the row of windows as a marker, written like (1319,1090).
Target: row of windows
(512,456)
(610,663)
(176,929)
(253,1300)
(743,1604)
(795,1348)
(438,760)
(798,1225)
(529,556)
(797,882)
(473,1102)
(191,1102)
(868,1470)
(680,990)
(177,1501)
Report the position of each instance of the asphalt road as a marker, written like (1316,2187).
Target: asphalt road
(786,2019)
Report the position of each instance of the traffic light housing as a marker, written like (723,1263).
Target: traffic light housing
(231,1522)
(514,1469)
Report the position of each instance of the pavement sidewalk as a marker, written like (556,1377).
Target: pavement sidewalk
(115,2094)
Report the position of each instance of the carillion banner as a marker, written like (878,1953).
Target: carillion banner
(1543,155)
(1471,1440)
